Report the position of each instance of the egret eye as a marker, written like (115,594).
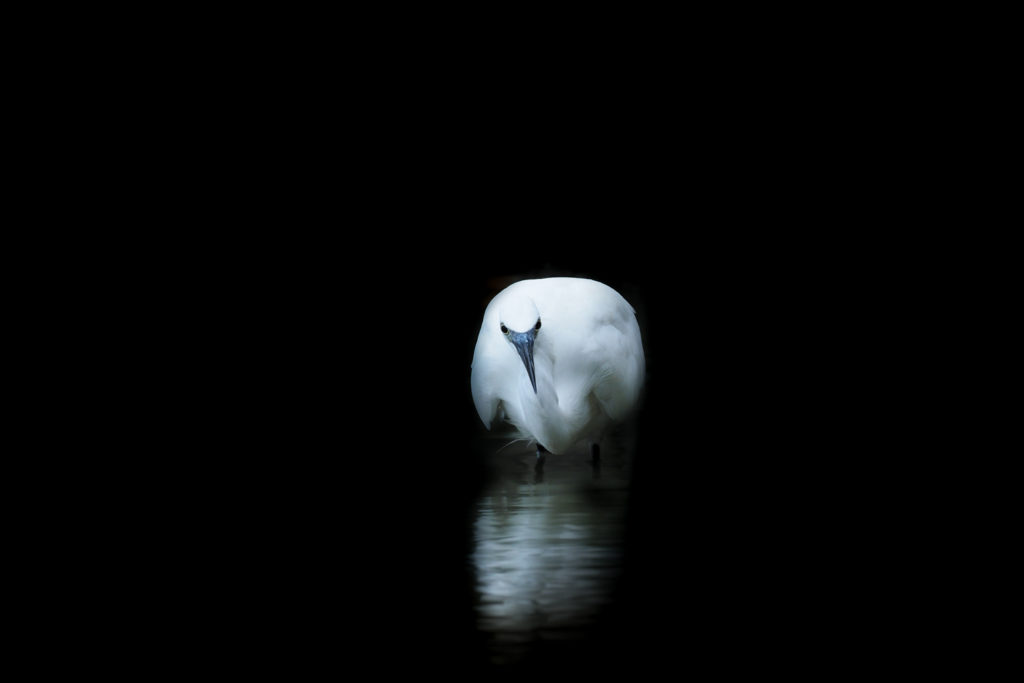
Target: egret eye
(504,330)
(537,326)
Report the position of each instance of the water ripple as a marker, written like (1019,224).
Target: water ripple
(547,553)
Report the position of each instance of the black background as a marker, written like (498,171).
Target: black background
(344,484)
(318,246)
(329,431)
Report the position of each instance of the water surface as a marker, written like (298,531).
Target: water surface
(548,548)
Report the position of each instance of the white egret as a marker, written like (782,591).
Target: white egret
(560,359)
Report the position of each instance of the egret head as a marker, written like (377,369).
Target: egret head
(520,323)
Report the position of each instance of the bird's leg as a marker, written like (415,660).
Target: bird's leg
(541,457)
(595,460)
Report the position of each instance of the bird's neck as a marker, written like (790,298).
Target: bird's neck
(554,422)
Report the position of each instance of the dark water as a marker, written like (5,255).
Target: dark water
(547,549)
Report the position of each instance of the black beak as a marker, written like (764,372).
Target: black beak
(523,341)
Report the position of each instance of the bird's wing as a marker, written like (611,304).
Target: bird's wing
(603,356)
(618,355)
(490,370)
(486,401)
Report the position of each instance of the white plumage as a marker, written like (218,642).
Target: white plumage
(583,342)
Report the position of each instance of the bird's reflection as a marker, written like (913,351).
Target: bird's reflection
(548,549)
